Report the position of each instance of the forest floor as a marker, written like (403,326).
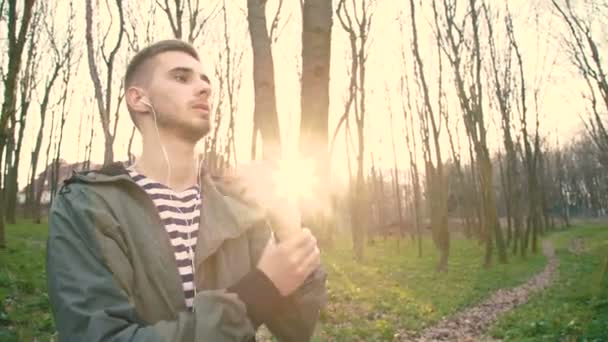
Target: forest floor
(393,294)
(472,323)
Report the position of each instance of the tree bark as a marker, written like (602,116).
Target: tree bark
(587,56)
(436,182)
(316,58)
(265,114)
(470,98)
(103,93)
(16,43)
(314,105)
(186,12)
(358,51)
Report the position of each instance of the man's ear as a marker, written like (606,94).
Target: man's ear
(137,100)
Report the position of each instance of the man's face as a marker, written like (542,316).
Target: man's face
(180,93)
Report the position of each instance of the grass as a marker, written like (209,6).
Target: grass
(575,308)
(392,289)
(24,304)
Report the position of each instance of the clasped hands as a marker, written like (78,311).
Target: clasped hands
(290,261)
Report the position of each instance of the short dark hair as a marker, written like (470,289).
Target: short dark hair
(147,54)
(152,51)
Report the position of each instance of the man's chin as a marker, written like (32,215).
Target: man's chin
(196,133)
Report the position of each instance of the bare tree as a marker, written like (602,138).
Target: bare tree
(89,147)
(396,185)
(42,181)
(503,97)
(212,148)
(530,150)
(233,61)
(356,22)
(316,57)
(189,12)
(62,59)
(314,99)
(28,81)
(136,19)
(220,147)
(586,55)
(103,91)
(562,188)
(71,60)
(430,129)
(265,114)
(470,95)
(16,43)
(410,139)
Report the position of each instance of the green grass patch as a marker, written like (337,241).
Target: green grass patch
(395,289)
(24,304)
(392,289)
(575,308)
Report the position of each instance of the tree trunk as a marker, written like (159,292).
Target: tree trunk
(506,191)
(265,109)
(16,43)
(314,106)
(8,169)
(13,185)
(396,186)
(316,58)
(103,95)
(41,184)
(36,152)
(358,50)
(470,97)
(130,155)
(491,215)
(436,182)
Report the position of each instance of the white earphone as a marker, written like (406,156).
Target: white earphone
(146,103)
(168,181)
(162,147)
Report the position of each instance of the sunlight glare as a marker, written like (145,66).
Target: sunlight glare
(295,178)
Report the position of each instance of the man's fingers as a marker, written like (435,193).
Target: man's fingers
(312,261)
(304,251)
(300,239)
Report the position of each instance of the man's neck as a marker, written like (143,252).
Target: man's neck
(182,162)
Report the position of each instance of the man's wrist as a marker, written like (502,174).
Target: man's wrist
(261,297)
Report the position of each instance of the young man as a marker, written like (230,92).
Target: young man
(158,251)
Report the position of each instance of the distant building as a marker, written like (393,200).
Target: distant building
(65,170)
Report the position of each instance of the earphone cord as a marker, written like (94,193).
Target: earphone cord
(189,222)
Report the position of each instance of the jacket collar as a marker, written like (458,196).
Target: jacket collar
(223,216)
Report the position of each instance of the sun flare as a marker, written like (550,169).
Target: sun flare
(295,178)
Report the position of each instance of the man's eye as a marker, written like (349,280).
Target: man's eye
(181,78)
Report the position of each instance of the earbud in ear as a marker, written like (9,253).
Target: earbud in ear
(146,102)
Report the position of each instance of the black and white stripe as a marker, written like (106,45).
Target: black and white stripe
(179,212)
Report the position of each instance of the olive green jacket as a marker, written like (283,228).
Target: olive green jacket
(112,274)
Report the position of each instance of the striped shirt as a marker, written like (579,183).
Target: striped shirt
(179,212)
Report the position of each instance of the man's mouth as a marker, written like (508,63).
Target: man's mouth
(202,107)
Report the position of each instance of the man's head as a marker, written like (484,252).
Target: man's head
(165,86)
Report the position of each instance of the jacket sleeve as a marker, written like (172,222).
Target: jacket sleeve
(89,305)
(291,318)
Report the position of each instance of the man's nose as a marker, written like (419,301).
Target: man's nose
(203,89)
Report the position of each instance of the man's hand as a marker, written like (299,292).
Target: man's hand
(288,263)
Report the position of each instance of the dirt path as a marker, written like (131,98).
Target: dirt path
(472,323)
